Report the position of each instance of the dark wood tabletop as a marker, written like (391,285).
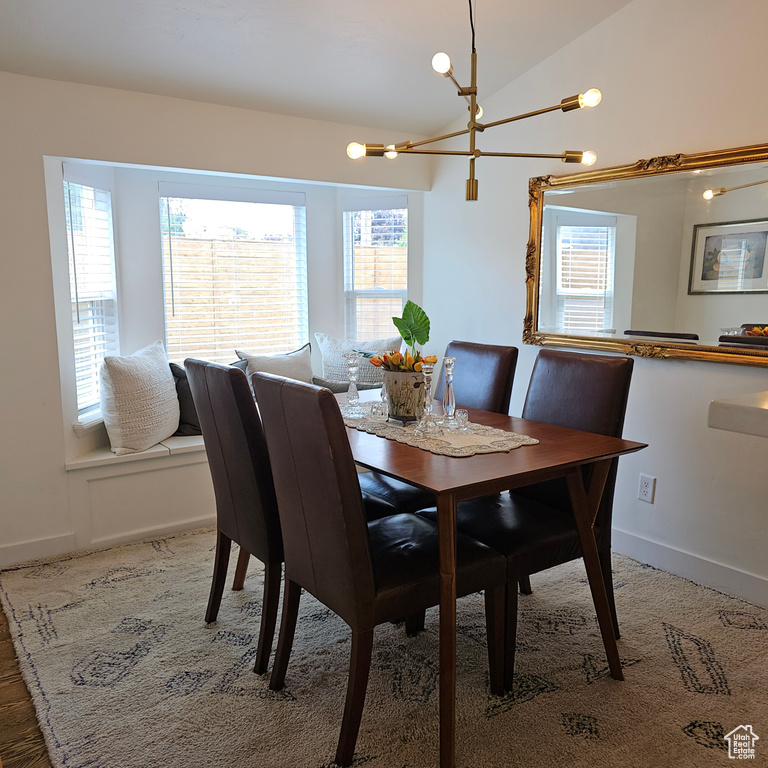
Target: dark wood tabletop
(470,476)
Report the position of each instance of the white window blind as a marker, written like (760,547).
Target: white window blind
(93,288)
(585,276)
(235,276)
(375,270)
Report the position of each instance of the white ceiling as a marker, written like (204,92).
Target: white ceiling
(349,61)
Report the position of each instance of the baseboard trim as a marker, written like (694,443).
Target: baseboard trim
(158,530)
(12,554)
(732,581)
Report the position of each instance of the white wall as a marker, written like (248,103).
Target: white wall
(43,117)
(662,87)
(709,314)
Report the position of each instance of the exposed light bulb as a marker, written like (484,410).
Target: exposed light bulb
(591,98)
(588,157)
(478,112)
(355,150)
(390,153)
(441,63)
(708,194)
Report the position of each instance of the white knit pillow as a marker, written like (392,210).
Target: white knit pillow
(335,366)
(138,399)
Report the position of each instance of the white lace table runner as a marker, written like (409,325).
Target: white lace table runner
(477,439)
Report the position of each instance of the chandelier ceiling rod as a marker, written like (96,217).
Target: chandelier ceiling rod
(441,63)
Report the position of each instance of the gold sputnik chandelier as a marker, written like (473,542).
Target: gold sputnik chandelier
(441,63)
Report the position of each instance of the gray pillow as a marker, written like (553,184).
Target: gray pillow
(189,424)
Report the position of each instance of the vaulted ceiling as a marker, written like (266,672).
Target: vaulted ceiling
(349,61)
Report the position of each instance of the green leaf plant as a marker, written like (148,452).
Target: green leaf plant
(413,326)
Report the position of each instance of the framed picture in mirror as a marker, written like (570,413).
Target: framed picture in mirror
(729,257)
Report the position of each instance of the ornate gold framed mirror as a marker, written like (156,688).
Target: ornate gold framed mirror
(638,259)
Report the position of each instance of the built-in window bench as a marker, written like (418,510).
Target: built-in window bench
(162,490)
(172,446)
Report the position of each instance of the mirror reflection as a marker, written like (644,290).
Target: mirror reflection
(670,251)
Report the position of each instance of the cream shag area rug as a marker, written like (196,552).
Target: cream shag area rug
(125,673)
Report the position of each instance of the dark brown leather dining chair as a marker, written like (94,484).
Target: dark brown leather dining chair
(663,334)
(367,572)
(534,526)
(483,379)
(246,507)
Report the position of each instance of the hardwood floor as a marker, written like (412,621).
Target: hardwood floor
(21,742)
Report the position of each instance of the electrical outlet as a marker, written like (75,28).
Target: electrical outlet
(647,488)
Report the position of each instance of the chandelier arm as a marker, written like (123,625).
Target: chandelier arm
(459,152)
(479,153)
(522,117)
(743,186)
(454,81)
(439,138)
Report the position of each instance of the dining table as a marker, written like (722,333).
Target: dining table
(560,453)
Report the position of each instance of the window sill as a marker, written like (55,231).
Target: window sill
(87,427)
(172,446)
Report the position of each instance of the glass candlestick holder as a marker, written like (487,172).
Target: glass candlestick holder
(449,398)
(352,409)
(427,426)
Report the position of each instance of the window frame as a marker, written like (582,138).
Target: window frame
(622,272)
(296,200)
(137,230)
(352,294)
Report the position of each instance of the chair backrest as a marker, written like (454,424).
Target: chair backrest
(482,377)
(246,505)
(321,508)
(579,391)
(663,334)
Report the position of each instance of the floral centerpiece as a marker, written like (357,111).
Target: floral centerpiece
(403,379)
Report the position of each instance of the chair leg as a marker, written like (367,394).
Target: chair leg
(525,584)
(510,633)
(607,569)
(269,602)
(240,570)
(291,596)
(415,623)
(357,685)
(220,563)
(494,622)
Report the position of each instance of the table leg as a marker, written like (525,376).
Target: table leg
(584,511)
(446,528)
